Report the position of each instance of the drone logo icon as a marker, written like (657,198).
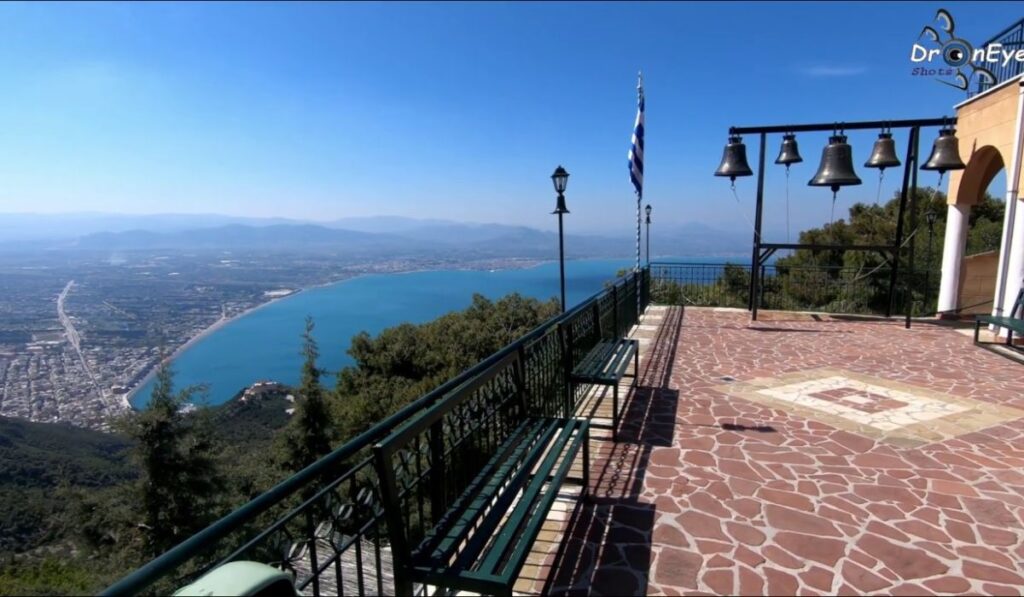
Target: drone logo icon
(963,62)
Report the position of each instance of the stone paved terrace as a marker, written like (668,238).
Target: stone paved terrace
(802,454)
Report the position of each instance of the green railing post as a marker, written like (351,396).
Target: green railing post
(437,471)
(567,365)
(615,309)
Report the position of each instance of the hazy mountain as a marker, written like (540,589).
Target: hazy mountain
(53,227)
(237,236)
(387,224)
(384,235)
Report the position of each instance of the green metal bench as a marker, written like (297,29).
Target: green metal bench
(467,485)
(1013,323)
(606,364)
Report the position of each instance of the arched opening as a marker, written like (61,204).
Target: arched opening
(980,194)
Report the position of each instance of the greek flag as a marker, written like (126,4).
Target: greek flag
(636,152)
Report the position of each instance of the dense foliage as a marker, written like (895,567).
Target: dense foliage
(407,361)
(852,281)
(170,470)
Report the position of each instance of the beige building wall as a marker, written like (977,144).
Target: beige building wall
(984,124)
(978,283)
(987,129)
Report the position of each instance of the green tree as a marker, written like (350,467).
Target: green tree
(854,281)
(180,488)
(406,361)
(311,431)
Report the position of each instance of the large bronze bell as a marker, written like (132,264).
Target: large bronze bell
(836,168)
(883,155)
(945,153)
(789,153)
(734,159)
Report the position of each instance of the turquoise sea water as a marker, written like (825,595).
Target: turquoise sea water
(265,343)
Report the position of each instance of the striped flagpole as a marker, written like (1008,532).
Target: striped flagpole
(636,168)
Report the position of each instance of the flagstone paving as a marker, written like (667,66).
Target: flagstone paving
(803,454)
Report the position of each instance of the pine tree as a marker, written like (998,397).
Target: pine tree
(310,433)
(180,488)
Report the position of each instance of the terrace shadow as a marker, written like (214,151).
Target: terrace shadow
(606,548)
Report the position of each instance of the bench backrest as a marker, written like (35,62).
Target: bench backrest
(426,464)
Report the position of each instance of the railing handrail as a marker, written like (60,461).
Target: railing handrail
(207,538)
(1003,73)
(1002,33)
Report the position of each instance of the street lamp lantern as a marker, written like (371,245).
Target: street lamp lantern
(648,210)
(561,178)
(931,216)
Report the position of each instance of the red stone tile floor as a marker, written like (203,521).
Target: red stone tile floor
(708,493)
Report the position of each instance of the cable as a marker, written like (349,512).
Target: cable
(739,208)
(910,236)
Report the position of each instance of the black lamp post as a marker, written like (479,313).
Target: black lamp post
(648,210)
(561,178)
(930,216)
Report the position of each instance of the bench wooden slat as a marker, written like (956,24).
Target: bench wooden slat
(594,359)
(607,362)
(484,486)
(488,566)
(498,550)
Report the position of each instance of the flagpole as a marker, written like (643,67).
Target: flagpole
(639,191)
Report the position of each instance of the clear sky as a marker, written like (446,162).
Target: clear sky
(451,110)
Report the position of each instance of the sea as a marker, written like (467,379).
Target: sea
(264,344)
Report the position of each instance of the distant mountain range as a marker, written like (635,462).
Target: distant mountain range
(380,235)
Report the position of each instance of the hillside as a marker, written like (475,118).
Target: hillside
(40,462)
(36,461)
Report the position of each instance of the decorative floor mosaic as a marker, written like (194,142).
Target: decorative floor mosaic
(887,410)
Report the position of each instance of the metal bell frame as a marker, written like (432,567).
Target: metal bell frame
(763,251)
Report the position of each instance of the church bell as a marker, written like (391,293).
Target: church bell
(789,153)
(945,153)
(883,155)
(836,168)
(734,159)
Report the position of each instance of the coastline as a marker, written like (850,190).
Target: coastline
(223,321)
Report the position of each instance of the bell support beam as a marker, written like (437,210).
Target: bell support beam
(916,136)
(755,264)
(908,165)
(846,126)
(816,247)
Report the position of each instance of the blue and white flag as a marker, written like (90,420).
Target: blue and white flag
(636,152)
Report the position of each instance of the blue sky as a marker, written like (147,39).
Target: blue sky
(453,110)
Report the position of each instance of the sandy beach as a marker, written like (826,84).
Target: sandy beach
(223,321)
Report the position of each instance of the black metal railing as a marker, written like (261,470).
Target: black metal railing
(326,524)
(806,288)
(1011,39)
